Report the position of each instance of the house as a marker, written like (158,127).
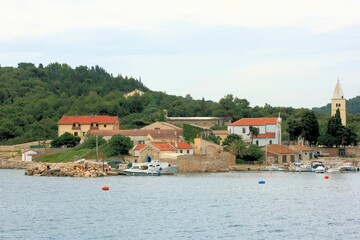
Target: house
(162,126)
(80,125)
(161,150)
(269,130)
(134,92)
(275,153)
(139,136)
(221,134)
(305,153)
(27,154)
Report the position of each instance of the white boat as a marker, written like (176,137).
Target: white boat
(140,169)
(334,168)
(348,167)
(272,168)
(319,169)
(315,165)
(163,167)
(301,167)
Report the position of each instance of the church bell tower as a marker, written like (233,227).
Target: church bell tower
(338,102)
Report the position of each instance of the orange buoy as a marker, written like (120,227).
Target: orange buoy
(326,177)
(105,188)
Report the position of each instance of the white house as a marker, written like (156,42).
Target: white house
(27,154)
(269,130)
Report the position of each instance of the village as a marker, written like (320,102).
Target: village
(165,142)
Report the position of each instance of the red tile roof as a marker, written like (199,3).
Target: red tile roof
(301,148)
(279,149)
(265,135)
(66,120)
(254,122)
(164,146)
(182,145)
(139,147)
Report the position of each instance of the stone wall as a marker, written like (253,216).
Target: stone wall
(203,163)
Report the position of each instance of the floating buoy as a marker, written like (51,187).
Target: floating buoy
(105,188)
(262,182)
(326,177)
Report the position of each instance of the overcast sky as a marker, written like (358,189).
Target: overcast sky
(279,52)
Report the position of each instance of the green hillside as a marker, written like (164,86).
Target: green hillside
(352,106)
(34,98)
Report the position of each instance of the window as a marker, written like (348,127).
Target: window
(257,142)
(244,130)
(74,125)
(270,142)
(92,124)
(284,158)
(75,134)
(187,151)
(141,142)
(97,125)
(104,125)
(181,151)
(292,158)
(83,133)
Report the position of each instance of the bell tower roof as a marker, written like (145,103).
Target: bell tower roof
(338,92)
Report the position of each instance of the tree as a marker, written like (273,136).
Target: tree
(230,138)
(211,137)
(90,142)
(238,148)
(310,127)
(254,131)
(65,140)
(119,145)
(253,153)
(294,130)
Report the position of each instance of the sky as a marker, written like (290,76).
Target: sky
(281,52)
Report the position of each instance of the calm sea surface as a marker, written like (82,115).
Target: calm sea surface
(185,206)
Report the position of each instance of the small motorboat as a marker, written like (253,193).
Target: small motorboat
(138,169)
(319,169)
(272,168)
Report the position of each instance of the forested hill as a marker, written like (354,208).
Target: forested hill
(34,98)
(352,106)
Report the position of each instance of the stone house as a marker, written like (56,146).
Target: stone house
(80,125)
(142,136)
(221,134)
(269,130)
(160,151)
(305,153)
(279,154)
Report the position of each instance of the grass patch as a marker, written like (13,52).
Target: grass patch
(68,156)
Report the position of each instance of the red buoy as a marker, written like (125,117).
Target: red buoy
(326,177)
(105,188)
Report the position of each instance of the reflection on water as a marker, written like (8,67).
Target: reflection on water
(185,206)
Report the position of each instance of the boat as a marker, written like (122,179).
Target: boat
(348,167)
(334,168)
(301,167)
(317,164)
(272,168)
(163,167)
(140,169)
(319,169)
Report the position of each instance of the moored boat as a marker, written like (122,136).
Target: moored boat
(272,168)
(163,167)
(140,169)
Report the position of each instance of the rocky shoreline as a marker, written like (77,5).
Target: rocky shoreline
(87,169)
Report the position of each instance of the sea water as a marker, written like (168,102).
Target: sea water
(230,205)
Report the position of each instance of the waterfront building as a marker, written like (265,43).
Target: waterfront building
(158,151)
(269,130)
(339,102)
(279,154)
(80,125)
(305,153)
